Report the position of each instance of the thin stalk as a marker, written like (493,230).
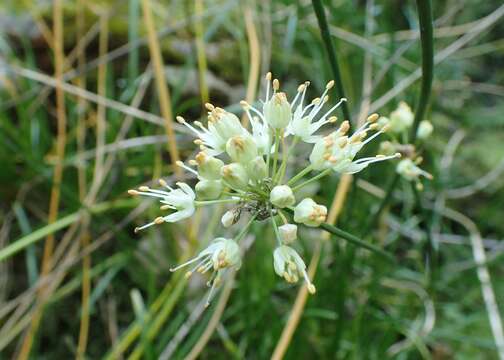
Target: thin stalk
(162,87)
(356,241)
(315,178)
(275,228)
(275,156)
(243,232)
(255,58)
(426,39)
(212,202)
(133,54)
(283,167)
(59,61)
(200,51)
(331,53)
(300,174)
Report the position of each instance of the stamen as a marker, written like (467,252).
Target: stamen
(184,166)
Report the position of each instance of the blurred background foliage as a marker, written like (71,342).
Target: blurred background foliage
(427,305)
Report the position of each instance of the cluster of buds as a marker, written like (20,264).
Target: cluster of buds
(248,169)
(399,123)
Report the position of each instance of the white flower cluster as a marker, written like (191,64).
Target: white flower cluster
(247,168)
(399,123)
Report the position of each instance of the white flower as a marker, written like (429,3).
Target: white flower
(277,110)
(257,169)
(425,129)
(282,196)
(181,200)
(401,118)
(302,124)
(241,149)
(221,254)
(208,189)
(209,168)
(288,233)
(222,125)
(235,175)
(308,212)
(289,265)
(337,150)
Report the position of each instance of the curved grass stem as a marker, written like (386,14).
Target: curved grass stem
(331,53)
(426,38)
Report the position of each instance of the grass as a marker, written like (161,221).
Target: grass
(75,281)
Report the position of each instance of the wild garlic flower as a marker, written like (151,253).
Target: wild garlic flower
(289,265)
(254,178)
(181,200)
(399,123)
(220,255)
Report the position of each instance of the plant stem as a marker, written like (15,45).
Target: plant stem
(356,241)
(315,178)
(425,20)
(299,175)
(331,53)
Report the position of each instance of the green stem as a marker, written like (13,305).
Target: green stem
(426,38)
(242,233)
(300,174)
(275,228)
(275,156)
(331,53)
(356,241)
(283,167)
(315,178)
(218,201)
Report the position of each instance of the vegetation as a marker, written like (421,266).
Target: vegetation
(405,269)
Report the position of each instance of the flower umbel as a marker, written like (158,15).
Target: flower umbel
(254,175)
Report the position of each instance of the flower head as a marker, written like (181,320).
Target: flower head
(251,175)
(289,265)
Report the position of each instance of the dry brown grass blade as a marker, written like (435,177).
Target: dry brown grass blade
(162,87)
(200,51)
(59,61)
(255,58)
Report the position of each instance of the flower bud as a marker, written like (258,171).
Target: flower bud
(208,189)
(307,212)
(425,128)
(277,111)
(225,124)
(209,168)
(401,118)
(257,169)
(288,233)
(230,217)
(282,196)
(241,149)
(235,175)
